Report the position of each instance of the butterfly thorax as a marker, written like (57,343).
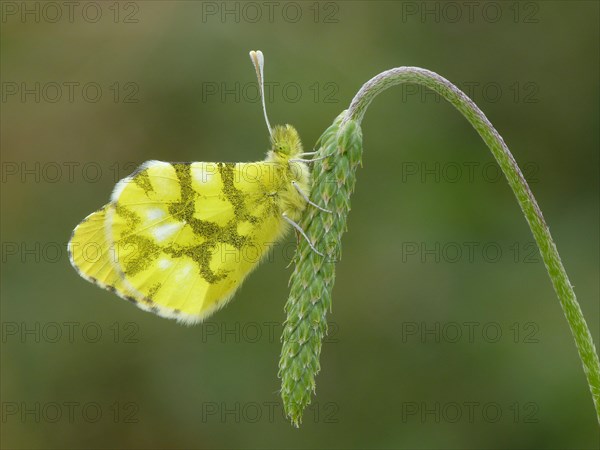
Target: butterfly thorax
(286,147)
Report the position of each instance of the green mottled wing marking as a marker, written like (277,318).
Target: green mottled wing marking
(182,231)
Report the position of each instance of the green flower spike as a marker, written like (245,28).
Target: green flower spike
(333,183)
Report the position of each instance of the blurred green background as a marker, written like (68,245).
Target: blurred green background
(432,345)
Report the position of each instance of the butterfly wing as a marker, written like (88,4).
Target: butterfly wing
(185,236)
(92,256)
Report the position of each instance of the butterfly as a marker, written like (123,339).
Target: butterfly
(178,239)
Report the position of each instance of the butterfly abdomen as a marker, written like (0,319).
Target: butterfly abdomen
(291,201)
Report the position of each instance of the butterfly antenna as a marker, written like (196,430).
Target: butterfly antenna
(259,64)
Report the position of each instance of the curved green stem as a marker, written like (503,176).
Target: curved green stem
(527,202)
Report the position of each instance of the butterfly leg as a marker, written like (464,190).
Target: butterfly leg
(309,160)
(305,197)
(301,231)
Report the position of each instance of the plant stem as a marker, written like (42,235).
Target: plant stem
(527,202)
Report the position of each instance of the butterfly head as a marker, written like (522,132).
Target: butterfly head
(285,141)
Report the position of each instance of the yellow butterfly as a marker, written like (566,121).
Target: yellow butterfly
(178,239)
